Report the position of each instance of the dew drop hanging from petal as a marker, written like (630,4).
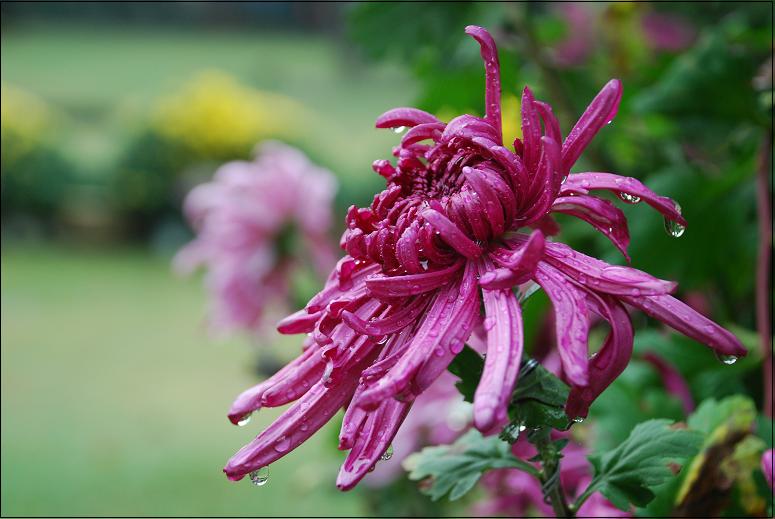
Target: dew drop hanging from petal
(244,420)
(727,359)
(259,477)
(387,454)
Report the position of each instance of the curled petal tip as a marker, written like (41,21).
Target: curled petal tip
(484,418)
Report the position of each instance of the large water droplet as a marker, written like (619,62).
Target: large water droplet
(628,198)
(244,420)
(282,444)
(387,454)
(727,359)
(259,477)
(399,129)
(673,228)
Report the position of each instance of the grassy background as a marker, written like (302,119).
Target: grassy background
(114,400)
(113,395)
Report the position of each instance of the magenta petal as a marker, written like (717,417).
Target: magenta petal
(602,277)
(572,322)
(409,117)
(610,361)
(492,96)
(531,131)
(582,183)
(397,319)
(600,112)
(683,318)
(293,427)
(461,321)
(451,234)
(423,132)
(295,383)
(518,265)
(298,322)
(673,381)
(250,400)
(767,467)
(601,214)
(372,441)
(411,284)
(489,198)
(503,322)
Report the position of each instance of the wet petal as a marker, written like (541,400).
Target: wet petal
(610,361)
(572,322)
(683,318)
(503,322)
(451,234)
(601,214)
(492,92)
(582,183)
(411,284)
(408,117)
(600,112)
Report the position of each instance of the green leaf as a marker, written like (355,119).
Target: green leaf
(456,468)
(538,400)
(467,366)
(627,473)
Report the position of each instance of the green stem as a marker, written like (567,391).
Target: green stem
(551,483)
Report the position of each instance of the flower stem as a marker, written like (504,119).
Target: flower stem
(763,265)
(551,483)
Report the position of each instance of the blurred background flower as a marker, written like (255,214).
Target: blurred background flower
(112,113)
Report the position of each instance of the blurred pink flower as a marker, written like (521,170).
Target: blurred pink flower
(767,467)
(450,234)
(514,493)
(243,219)
(672,379)
(580,21)
(667,32)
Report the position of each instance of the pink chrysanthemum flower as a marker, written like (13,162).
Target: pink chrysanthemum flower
(445,238)
(242,217)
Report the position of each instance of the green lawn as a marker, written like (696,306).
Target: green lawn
(105,80)
(114,398)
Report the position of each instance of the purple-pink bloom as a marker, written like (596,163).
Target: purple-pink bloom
(767,467)
(242,217)
(449,235)
(514,493)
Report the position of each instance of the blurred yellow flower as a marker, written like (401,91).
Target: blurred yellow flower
(512,118)
(217,117)
(24,121)
(510,115)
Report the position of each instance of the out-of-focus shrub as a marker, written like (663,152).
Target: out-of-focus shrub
(211,120)
(33,172)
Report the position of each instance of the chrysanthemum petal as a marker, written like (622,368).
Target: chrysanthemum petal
(673,381)
(582,183)
(298,322)
(411,284)
(451,234)
(603,277)
(503,322)
(600,112)
(398,318)
(372,441)
(409,117)
(694,325)
(572,322)
(600,214)
(492,92)
(610,361)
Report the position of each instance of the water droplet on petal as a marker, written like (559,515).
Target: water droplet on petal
(489,323)
(424,264)
(727,359)
(387,454)
(522,427)
(673,228)
(259,477)
(578,419)
(283,444)
(244,420)
(628,198)
(399,129)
